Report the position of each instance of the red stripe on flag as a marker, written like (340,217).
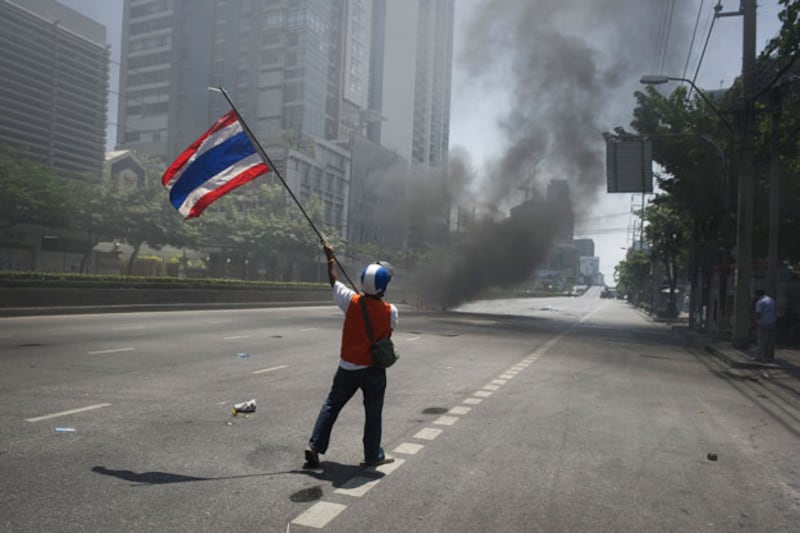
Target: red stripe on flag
(248,175)
(222,122)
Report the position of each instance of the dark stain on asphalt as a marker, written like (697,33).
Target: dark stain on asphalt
(655,356)
(29,345)
(307,495)
(434,410)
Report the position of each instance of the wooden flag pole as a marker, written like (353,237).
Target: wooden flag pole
(274,169)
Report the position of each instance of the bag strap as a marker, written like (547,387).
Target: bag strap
(366,317)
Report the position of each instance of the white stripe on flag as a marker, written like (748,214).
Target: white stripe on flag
(213,141)
(218,181)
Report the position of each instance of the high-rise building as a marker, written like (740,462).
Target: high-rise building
(308,76)
(297,66)
(54,68)
(281,62)
(585,247)
(414,86)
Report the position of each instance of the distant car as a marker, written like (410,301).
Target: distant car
(609,293)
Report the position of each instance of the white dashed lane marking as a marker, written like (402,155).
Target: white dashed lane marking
(408,448)
(445,420)
(319,514)
(265,370)
(234,337)
(70,412)
(359,485)
(112,350)
(428,433)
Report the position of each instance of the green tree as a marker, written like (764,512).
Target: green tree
(138,215)
(693,145)
(34,194)
(778,71)
(666,233)
(633,276)
(266,226)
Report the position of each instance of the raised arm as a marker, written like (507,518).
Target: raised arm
(332,277)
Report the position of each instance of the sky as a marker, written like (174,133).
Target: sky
(601,47)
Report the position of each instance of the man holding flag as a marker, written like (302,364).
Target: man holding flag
(226,157)
(355,370)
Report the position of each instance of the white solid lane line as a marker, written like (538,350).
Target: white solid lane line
(70,412)
(113,350)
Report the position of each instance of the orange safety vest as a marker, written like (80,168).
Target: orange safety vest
(355,341)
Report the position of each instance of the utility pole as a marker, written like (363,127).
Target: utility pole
(774,192)
(744,212)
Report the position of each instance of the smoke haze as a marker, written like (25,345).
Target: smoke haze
(561,72)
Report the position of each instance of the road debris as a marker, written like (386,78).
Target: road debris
(244,407)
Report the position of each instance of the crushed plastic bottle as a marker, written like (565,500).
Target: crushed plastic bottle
(245,407)
(244,355)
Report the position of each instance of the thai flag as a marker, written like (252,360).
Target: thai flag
(222,159)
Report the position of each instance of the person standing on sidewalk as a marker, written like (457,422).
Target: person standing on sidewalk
(765,319)
(355,370)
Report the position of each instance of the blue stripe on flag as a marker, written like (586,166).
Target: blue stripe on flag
(209,165)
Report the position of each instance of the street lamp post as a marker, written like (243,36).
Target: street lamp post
(657,79)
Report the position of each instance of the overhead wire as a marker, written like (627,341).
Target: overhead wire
(694,35)
(660,39)
(702,54)
(668,30)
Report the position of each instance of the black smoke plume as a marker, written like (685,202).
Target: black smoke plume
(568,69)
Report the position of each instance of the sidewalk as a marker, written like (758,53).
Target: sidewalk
(787,358)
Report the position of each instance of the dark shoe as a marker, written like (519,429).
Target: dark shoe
(383,461)
(312,459)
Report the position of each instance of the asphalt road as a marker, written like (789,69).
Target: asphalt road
(566,414)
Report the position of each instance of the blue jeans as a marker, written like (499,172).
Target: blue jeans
(372,382)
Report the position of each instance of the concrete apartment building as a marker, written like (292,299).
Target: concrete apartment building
(54,90)
(309,76)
